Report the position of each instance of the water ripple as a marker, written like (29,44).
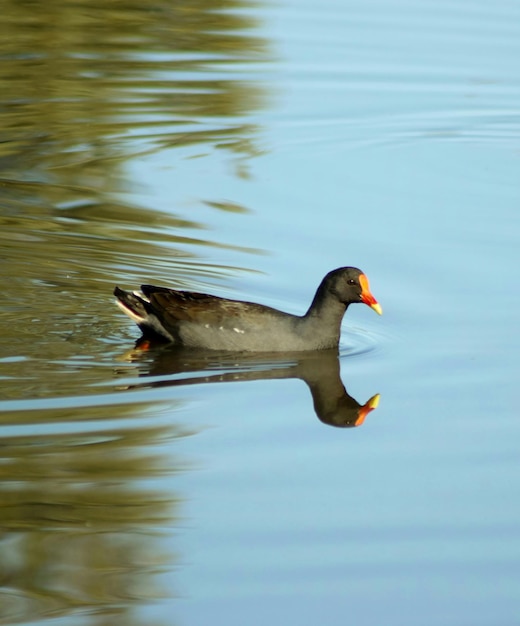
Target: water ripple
(363,341)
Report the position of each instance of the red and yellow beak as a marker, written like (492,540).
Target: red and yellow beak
(367,297)
(366,408)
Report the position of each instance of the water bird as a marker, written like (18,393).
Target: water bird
(198,320)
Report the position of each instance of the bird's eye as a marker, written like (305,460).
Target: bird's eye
(351,281)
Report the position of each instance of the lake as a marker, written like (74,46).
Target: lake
(245,149)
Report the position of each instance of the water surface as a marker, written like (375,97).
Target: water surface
(247,149)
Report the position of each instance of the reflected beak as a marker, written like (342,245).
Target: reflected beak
(366,408)
(367,297)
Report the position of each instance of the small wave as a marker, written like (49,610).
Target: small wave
(362,341)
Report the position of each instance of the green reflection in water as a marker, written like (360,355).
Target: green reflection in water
(84,89)
(80,516)
(81,76)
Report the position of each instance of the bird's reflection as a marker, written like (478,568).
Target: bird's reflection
(320,370)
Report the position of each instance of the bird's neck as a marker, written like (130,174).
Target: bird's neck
(324,316)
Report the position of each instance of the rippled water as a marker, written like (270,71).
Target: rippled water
(248,149)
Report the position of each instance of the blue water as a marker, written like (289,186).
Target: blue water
(383,135)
